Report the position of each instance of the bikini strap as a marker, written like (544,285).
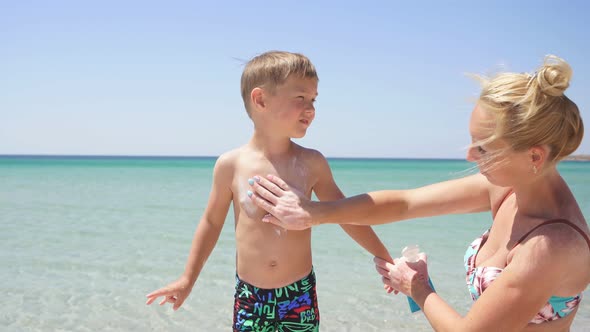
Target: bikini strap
(556,221)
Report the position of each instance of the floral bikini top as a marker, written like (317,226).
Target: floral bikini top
(479,278)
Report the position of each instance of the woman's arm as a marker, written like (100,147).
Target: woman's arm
(291,209)
(539,268)
(326,189)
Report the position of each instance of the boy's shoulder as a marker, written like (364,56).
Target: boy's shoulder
(230,157)
(233,157)
(231,154)
(309,153)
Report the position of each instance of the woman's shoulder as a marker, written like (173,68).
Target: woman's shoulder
(562,233)
(559,240)
(558,248)
(498,195)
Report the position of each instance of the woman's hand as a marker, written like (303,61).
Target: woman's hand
(403,276)
(287,207)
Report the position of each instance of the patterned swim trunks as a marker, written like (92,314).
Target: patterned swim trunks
(289,308)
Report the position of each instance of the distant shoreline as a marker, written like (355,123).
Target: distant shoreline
(74,156)
(580,157)
(577,158)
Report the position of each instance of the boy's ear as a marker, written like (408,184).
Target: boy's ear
(257,98)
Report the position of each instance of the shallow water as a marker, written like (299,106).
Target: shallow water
(84,239)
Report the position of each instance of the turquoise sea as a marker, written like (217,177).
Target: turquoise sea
(83,239)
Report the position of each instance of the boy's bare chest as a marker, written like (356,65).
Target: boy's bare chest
(295,172)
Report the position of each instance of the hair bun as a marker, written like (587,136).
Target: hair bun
(553,78)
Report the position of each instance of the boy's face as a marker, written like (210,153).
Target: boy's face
(291,106)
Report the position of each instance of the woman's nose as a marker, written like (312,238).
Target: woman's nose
(472,154)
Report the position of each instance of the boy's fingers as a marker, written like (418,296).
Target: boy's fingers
(155,295)
(382,271)
(169,298)
(378,268)
(158,293)
(380,262)
(388,289)
(178,304)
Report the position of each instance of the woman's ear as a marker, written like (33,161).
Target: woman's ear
(538,155)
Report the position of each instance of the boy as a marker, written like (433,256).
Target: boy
(275,282)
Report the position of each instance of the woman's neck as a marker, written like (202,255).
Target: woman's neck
(543,197)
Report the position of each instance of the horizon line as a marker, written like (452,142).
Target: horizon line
(113,156)
(573,157)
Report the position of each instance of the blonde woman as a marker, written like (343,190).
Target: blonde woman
(528,271)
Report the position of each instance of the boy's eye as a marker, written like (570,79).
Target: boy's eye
(481,150)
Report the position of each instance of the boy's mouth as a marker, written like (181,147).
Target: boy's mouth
(304,121)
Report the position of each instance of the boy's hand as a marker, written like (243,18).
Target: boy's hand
(176,292)
(388,288)
(402,275)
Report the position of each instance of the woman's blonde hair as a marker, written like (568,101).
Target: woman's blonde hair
(531,110)
(271,69)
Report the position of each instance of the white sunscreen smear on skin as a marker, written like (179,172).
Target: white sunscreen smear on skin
(250,208)
(300,170)
(280,230)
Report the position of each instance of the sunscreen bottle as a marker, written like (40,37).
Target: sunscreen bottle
(410,253)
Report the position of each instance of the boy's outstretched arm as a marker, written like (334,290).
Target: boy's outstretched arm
(327,190)
(205,238)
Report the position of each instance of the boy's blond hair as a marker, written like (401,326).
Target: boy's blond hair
(271,69)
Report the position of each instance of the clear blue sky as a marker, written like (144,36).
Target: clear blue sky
(162,77)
